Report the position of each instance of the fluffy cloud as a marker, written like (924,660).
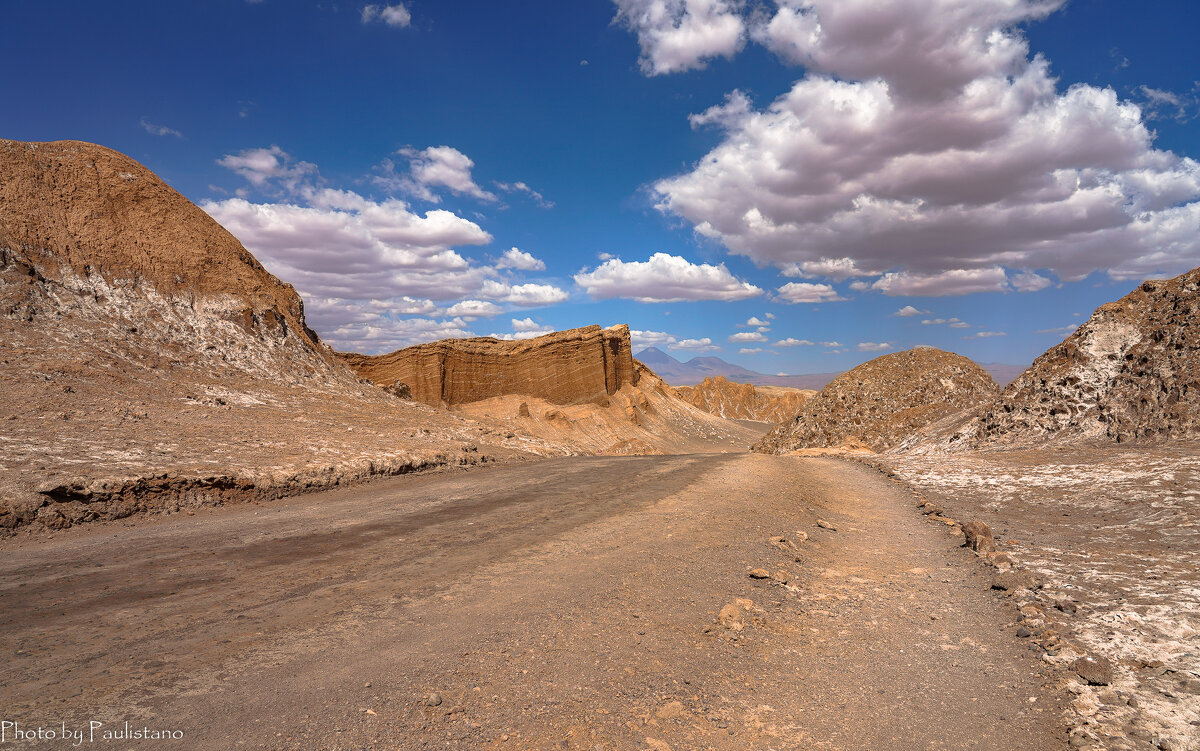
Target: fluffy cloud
(262,167)
(679,35)
(525,328)
(664,278)
(874,346)
(363,265)
(985,334)
(698,345)
(431,168)
(471,309)
(923,140)
(792,342)
(514,258)
(753,351)
(643,339)
(909,311)
(530,295)
(798,292)
(747,336)
(392,15)
(950,282)
(756,321)
(939,321)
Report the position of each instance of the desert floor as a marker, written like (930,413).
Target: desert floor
(579,603)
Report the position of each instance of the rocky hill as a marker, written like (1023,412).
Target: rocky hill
(565,367)
(743,401)
(882,402)
(1130,373)
(81,221)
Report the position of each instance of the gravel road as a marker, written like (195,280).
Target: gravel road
(582,603)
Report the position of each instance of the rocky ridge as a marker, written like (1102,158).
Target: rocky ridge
(1131,373)
(744,401)
(884,401)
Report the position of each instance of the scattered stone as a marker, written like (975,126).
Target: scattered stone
(760,573)
(781,576)
(826,525)
(1024,633)
(730,617)
(1000,560)
(801,537)
(783,544)
(1096,670)
(653,744)
(433,700)
(931,509)
(979,537)
(1066,606)
(670,711)
(1014,581)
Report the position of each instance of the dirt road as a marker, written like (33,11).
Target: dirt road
(568,604)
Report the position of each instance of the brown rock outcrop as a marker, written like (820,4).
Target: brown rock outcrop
(86,218)
(882,402)
(566,367)
(1130,373)
(743,401)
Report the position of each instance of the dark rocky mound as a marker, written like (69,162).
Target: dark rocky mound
(1131,373)
(882,402)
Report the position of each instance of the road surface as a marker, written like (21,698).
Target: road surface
(565,604)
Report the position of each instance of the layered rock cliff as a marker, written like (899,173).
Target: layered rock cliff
(1130,373)
(882,402)
(743,401)
(566,367)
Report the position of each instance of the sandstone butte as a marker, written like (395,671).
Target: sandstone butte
(884,401)
(743,401)
(565,367)
(1131,373)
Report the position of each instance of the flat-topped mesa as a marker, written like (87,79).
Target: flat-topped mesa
(566,367)
(83,219)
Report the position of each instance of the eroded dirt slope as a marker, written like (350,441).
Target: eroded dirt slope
(744,401)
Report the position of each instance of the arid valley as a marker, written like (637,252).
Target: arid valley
(795,375)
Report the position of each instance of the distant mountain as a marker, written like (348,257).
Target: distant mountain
(1003,374)
(697,369)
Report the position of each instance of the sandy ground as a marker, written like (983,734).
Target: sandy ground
(1114,533)
(581,603)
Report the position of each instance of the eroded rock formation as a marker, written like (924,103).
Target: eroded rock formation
(82,221)
(882,402)
(743,401)
(566,367)
(1130,373)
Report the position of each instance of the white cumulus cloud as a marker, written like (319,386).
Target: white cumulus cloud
(743,337)
(679,35)
(664,278)
(874,346)
(793,342)
(514,258)
(432,168)
(799,292)
(924,142)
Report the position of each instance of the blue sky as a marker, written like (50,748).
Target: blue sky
(671,164)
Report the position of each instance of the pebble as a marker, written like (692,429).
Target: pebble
(760,573)
(433,700)
(826,525)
